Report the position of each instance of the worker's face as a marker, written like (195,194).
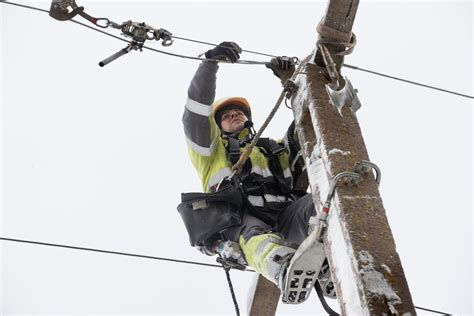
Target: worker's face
(233,121)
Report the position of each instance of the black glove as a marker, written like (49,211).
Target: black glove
(282,67)
(225,51)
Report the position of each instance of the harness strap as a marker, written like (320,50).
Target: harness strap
(233,148)
(271,149)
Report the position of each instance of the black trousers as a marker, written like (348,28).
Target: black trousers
(290,222)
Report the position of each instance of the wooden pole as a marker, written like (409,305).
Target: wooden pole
(365,266)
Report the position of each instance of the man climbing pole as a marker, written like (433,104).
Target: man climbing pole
(254,217)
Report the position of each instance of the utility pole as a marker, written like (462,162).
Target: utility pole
(365,266)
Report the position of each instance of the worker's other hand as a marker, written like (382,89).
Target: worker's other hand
(225,51)
(282,67)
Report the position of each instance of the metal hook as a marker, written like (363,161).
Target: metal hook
(364,166)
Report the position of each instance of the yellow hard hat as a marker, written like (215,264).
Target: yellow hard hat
(224,103)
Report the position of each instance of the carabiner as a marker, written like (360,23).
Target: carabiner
(98,22)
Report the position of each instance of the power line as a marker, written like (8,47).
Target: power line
(245,62)
(213,44)
(111,252)
(408,81)
(147,257)
(432,310)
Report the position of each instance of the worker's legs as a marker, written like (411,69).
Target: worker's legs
(264,250)
(293,224)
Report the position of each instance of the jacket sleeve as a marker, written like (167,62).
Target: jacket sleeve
(201,131)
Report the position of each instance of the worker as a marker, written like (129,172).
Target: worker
(255,217)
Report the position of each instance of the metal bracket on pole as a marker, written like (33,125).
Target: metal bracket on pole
(346,95)
(364,166)
(347,177)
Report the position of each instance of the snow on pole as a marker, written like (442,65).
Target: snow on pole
(365,266)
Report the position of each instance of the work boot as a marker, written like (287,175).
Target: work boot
(301,273)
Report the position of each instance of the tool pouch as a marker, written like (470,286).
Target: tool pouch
(206,214)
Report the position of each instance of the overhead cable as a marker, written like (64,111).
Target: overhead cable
(110,252)
(148,257)
(408,81)
(244,62)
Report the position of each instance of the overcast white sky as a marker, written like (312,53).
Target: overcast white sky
(96,157)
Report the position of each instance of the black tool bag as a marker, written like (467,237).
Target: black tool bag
(206,214)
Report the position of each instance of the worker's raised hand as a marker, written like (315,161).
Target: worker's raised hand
(225,51)
(282,67)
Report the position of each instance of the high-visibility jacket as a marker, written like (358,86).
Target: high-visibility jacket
(207,147)
(209,155)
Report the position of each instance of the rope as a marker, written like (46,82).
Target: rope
(232,293)
(237,168)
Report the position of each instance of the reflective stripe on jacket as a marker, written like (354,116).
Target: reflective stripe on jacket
(207,149)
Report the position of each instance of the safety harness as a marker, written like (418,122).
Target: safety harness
(255,184)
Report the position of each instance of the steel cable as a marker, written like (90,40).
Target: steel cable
(148,257)
(246,62)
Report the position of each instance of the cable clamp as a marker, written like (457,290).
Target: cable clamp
(345,95)
(65,10)
(60,9)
